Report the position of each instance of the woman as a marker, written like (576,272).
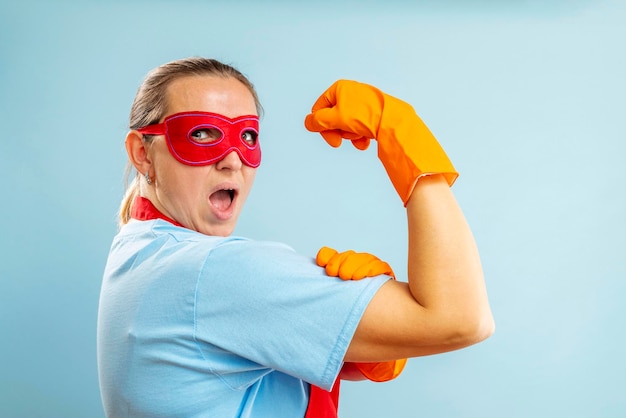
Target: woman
(195,322)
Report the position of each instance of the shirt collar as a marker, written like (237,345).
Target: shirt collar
(144,210)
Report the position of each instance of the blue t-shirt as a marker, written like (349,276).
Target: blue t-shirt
(191,325)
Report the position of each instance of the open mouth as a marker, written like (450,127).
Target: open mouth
(223,199)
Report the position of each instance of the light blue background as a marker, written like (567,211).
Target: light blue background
(526,97)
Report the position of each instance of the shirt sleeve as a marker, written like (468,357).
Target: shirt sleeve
(264,302)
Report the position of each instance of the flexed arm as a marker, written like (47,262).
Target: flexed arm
(444,306)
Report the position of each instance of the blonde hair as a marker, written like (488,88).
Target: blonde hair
(150,105)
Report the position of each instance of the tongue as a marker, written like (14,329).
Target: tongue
(221,199)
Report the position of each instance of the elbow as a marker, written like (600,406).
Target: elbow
(466,330)
(485,327)
(474,330)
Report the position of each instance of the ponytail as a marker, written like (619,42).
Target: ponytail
(132,191)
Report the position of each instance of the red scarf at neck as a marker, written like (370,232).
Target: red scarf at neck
(144,210)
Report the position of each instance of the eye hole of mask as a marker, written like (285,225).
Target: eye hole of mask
(206,135)
(249,137)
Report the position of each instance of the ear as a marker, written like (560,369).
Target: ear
(137,151)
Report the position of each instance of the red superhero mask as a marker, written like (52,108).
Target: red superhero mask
(203,138)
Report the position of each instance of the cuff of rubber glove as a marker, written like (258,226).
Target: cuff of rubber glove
(450,179)
(382,371)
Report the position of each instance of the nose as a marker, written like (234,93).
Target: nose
(230,162)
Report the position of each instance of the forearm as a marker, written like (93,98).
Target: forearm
(445,274)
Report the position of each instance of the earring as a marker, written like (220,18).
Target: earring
(148,178)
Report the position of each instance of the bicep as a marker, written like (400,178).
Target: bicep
(394,326)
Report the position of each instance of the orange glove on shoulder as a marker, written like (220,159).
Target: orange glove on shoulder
(350,265)
(359,112)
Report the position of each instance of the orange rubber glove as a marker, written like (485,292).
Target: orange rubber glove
(358,112)
(350,265)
